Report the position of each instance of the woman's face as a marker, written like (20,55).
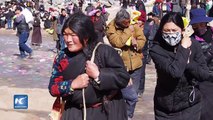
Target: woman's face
(171,33)
(170,27)
(72,40)
(125,23)
(98,13)
(199,28)
(199,25)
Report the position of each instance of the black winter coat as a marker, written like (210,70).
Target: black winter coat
(176,78)
(207,48)
(113,76)
(206,87)
(10,15)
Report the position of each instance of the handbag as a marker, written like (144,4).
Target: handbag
(57,109)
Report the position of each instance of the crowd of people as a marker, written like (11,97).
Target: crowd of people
(108,86)
(52,18)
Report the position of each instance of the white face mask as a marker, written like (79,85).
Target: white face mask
(172,38)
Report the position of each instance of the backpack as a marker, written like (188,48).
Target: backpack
(28,15)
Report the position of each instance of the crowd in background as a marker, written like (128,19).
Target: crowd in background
(53,17)
(160,7)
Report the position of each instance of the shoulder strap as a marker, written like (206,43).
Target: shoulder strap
(93,53)
(83,90)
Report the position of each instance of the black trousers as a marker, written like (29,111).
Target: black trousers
(191,113)
(206,89)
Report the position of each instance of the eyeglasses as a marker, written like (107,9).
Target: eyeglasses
(199,25)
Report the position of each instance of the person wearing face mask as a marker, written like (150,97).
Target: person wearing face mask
(204,35)
(179,64)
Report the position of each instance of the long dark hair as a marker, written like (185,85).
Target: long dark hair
(170,17)
(82,25)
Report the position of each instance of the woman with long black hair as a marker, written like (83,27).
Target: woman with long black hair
(180,65)
(102,80)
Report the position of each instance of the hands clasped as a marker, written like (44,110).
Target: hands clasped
(82,80)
